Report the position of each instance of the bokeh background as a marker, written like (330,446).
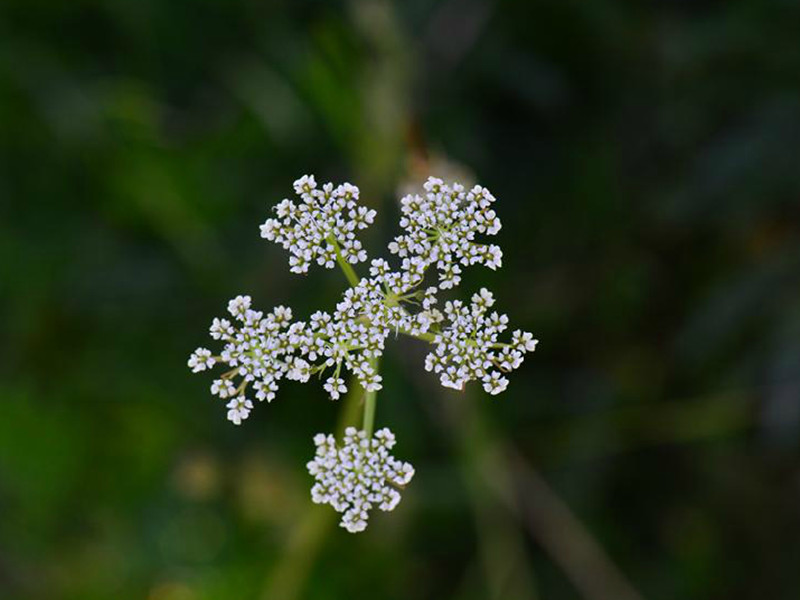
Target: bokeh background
(646,161)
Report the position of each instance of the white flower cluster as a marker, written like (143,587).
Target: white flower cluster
(321,226)
(261,350)
(467,348)
(441,227)
(357,476)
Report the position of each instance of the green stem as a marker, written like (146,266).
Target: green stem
(349,413)
(347,269)
(369,402)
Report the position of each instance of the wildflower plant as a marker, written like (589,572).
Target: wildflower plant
(441,235)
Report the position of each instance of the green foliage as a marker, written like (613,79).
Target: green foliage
(644,160)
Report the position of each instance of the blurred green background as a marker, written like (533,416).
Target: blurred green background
(646,161)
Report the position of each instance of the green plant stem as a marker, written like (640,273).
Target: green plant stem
(370,397)
(369,402)
(345,266)
(351,410)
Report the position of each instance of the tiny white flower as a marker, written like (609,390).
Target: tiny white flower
(305,185)
(221,329)
(523,341)
(335,387)
(494,383)
(484,298)
(239,306)
(222,388)
(239,410)
(200,360)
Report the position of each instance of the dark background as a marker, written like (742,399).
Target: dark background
(646,161)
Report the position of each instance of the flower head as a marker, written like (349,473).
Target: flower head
(357,476)
(440,238)
(322,224)
(468,348)
(441,229)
